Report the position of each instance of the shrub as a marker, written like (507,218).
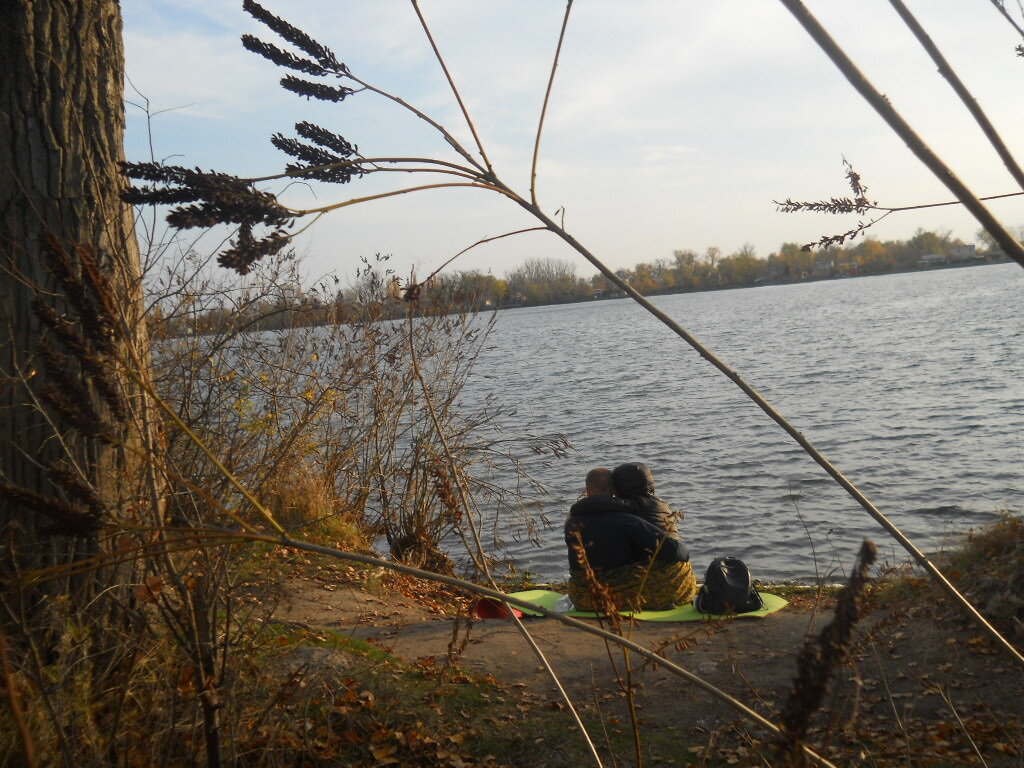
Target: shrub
(988,566)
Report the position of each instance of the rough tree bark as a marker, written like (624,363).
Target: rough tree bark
(61,132)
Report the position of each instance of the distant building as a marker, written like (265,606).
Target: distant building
(933,260)
(958,254)
(962,254)
(830,265)
(846,266)
(824,265)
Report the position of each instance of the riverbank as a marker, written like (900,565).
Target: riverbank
(920,686)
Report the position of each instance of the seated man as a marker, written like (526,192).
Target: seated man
(632,559)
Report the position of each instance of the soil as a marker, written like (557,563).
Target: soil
(920,687)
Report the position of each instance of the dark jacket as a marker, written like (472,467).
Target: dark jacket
(635,484)
(614,535)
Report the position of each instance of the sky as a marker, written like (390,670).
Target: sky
(673,124)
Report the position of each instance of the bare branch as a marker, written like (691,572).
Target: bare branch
(482,242)
(1006,15)
(547,99)
(380,196)
(451,83)
(924,153)
(961,90)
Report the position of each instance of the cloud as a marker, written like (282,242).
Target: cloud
(671,125)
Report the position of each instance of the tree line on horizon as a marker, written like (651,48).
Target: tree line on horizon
(551,280)
(554,281)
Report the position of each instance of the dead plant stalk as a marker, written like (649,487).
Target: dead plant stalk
(480,560)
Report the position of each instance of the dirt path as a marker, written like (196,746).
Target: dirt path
(918,679)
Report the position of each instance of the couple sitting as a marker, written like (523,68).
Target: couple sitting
(623,542)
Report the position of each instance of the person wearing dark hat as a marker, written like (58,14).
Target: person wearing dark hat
(634,483)
(634,560)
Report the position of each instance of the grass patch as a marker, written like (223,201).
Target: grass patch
(988,566)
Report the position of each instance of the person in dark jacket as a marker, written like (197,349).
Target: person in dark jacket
(634,483)
(610,544)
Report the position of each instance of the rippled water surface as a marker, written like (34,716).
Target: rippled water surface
(911,384)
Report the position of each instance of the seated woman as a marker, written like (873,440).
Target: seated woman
(633,481)
(615,550)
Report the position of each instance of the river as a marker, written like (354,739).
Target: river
(911,384)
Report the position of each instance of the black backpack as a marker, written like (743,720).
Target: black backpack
(728,586)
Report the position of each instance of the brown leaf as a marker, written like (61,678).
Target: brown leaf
(148,591)
(186,678)
(384,754)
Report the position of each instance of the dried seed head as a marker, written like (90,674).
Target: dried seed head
(827,241)
(295,36)
(92,363)
(158,196)
(206,199)
(71,402)
(834,205)
(312,90)
(858,204)
(76,488)
(444,487)
(859,190)
(65,519)
(282,58)
(325,138)
(220,199)
(246,249)
(320,164)
(98,283)
(82,295)
(820,657)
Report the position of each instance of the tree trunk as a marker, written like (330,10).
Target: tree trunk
(69,277)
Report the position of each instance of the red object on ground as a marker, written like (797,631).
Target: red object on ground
(489,608)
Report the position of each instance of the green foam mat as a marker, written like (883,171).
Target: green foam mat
(549,600)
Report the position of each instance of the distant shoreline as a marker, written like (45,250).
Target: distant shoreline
(715,289)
